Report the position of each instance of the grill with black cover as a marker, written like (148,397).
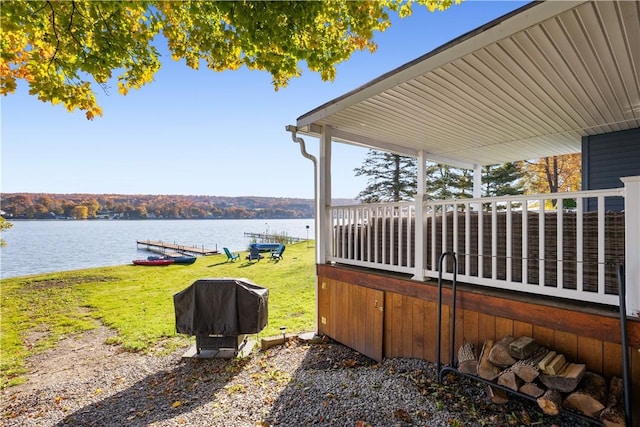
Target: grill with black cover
(220,312)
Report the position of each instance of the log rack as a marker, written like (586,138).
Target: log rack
(441,370)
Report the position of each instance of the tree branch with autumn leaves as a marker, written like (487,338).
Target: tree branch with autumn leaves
(63,50)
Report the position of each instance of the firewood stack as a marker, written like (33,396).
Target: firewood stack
(522,365)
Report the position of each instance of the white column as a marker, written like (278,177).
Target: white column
(420,250)
(324,222)
(632,243)
(477,181)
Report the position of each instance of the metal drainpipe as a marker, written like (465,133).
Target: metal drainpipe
(314,160)
(303,150)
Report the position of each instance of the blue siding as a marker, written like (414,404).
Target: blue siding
(608,157)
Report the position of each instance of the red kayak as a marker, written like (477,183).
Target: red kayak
(153,262)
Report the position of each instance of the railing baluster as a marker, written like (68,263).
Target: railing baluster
(481,241)
(385,246)
(509,250)
(455,228)
(433,238)
(559,244)
(467,239)
(494,241)
(601,254)
(410,236)
(579,244)
(541,278)
(525,243)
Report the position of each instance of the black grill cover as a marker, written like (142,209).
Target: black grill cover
(223,306)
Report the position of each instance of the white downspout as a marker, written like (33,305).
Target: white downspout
(314,160)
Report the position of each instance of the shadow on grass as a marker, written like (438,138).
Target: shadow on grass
(192,383)
(217,264)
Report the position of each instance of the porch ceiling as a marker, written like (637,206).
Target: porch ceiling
(525,86)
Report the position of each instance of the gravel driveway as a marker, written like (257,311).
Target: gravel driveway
(84,382)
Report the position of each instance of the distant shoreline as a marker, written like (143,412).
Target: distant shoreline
(113,206)
(148,219)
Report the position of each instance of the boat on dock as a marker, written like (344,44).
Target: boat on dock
(176,258)
(153,262)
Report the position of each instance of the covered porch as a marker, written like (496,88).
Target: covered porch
(540,81)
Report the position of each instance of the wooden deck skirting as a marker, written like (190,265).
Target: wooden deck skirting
(598,323)
(587,334)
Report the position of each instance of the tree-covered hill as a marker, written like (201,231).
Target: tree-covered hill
(121,206)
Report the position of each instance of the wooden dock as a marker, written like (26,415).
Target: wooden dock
(273,238)
(162,247)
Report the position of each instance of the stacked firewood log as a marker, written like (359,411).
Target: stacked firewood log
(547,376)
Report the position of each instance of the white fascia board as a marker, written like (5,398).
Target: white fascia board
(448,161)
(374,144)
(363,141)
(358,140)
(460,47)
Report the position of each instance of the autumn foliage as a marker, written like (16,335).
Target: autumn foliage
(554,174)
(66,51)
(89,206)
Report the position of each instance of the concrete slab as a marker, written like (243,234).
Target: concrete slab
(310,337)
(268,342)
(220,353)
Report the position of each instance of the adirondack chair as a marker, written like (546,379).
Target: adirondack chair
(254,253)
(231,256)
(277,254)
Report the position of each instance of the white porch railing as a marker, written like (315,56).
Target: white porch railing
(374,235)
(563,244)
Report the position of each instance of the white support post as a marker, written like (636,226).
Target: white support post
(324,197)
(632,243)
(477,186)
(477,181)
(420,242)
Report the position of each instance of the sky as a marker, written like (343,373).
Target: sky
(200,132)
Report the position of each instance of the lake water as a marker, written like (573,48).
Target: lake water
(51,246)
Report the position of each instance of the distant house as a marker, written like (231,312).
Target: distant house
(104,214)
(550,78)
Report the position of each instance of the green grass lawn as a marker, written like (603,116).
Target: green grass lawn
(137,302)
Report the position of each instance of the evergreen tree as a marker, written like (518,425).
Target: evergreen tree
(502,180)
(447,182)
(392,178)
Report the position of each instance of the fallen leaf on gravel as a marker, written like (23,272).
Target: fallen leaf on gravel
(349,363)
(361,423)
(424,414)
(262,424)
(402,415)
(176,404)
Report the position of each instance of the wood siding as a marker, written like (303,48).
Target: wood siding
(591,336)
(606,158)
(352,315)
